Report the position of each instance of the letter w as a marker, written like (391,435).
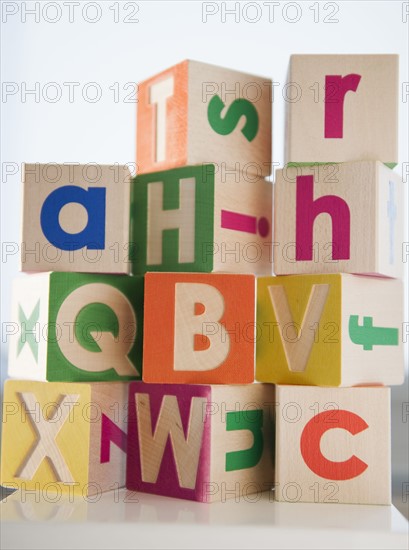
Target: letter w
(186,450)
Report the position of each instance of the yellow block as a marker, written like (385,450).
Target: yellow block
(299,330)
(57,424)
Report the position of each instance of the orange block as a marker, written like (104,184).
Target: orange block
(199,328)
(195,113)
(176,115)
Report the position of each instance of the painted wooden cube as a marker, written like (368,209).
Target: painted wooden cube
(206,324)
(198,442)
(339,218)
(74,327)
(76,218)
(64,437)
(339,443)
(194,113)
(330,330)
(198,218)
(343,108)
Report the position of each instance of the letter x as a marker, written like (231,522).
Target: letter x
(27,330)
(46,430)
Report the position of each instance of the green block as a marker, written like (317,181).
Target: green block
(77,327)
(172,220)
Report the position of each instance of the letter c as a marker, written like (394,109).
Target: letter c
(310,445)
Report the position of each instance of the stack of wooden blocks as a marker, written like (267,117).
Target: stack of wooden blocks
(201,317)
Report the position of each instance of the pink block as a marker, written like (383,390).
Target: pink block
(167,482)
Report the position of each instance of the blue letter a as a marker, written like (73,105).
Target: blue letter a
(93,234)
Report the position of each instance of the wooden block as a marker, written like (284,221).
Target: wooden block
(329,330)
(76,218)
(339,218)
(339,443)
(206,334)
(343,108)
(194,113)
(198,442)
(73,327)
(64,437)
(201,218)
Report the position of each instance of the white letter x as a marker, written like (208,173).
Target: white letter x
(45,445)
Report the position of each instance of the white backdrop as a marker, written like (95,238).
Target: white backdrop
(68,61)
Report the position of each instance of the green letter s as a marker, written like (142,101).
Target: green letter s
(239,107)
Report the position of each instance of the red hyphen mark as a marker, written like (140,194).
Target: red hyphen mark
(245,223)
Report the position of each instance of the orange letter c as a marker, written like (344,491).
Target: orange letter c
(310,445)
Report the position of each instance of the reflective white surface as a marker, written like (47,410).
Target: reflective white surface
(122,519)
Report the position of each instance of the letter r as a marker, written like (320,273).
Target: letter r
(336,87)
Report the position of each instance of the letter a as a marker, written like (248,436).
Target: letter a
(93,235)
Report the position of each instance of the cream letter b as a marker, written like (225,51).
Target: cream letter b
(189,323)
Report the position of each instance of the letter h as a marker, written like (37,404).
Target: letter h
(307,209)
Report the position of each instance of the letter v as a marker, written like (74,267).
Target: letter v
(298,348)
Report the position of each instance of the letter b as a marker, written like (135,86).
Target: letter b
(190,324)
